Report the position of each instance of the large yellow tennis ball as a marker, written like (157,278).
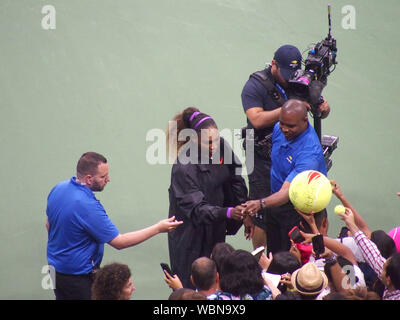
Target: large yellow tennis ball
(310,191)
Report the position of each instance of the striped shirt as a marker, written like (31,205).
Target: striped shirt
(374,258)
(264,294)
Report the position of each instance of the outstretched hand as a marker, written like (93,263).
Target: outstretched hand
(336,189)
(167,225)
(309,219)
(307,237)
(252,207)
(265,261)
(286,279)
(348,218)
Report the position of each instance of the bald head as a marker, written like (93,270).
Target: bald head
(295,107)
(293,118)
(204,273)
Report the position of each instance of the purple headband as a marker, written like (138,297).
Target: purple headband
(202,120)
(194,115)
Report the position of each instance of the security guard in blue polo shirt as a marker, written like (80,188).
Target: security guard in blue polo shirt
(295,148)
(78,227)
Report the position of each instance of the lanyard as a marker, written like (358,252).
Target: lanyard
(281,90)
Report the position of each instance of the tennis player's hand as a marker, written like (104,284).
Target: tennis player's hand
(237,212)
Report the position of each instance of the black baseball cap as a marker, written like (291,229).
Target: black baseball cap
(288,58)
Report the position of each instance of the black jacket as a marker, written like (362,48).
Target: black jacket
(199,195)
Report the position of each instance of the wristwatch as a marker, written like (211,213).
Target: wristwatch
(262,203)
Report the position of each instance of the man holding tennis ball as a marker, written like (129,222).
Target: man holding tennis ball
(295,148)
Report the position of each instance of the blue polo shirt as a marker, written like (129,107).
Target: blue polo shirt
(292,157)
(79,227)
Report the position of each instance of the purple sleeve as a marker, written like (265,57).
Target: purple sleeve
(228,212)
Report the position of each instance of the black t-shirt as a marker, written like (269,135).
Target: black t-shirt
(254,94)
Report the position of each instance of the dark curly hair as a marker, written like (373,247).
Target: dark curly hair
(241,274)
(220,251)
(109,281)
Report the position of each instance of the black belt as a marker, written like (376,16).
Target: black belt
(78,275)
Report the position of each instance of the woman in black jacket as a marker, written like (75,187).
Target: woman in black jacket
(205,193)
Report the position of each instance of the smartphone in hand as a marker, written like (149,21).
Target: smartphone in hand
(318,245)
(295,235)
(258,252)
(165,267)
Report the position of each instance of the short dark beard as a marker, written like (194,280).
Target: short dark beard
(96,187)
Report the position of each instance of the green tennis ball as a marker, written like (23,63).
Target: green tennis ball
(339,209)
